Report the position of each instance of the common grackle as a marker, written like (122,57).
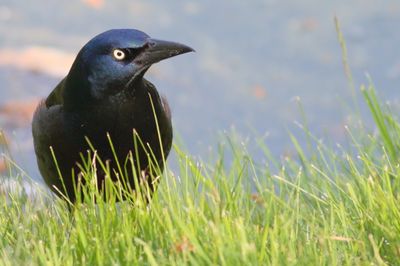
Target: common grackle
(105,97)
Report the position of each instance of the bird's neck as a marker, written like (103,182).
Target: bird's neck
(77,91)
(77,87)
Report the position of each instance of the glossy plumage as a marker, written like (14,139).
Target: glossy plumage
(105,94)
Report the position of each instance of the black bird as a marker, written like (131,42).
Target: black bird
(103,97)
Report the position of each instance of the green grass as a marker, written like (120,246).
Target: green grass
(324,207)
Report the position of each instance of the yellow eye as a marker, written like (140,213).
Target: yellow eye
(119,54)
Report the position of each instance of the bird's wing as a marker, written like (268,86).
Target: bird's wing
(56,96)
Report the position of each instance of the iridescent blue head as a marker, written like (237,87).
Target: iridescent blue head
(115,60)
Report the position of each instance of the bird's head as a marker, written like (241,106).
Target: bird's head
(116,59)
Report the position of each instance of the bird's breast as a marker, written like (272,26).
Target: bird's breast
(116,120)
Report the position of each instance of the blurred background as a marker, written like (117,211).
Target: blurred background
(255,62)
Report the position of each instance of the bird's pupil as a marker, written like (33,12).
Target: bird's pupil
(118,54)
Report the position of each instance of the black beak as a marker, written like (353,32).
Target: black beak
(157,50)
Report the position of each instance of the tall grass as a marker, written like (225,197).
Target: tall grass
(331,207)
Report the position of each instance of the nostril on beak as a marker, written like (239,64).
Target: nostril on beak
(150,44)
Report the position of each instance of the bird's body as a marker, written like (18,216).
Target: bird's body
(105,98)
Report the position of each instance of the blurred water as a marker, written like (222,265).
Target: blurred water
(253,59)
